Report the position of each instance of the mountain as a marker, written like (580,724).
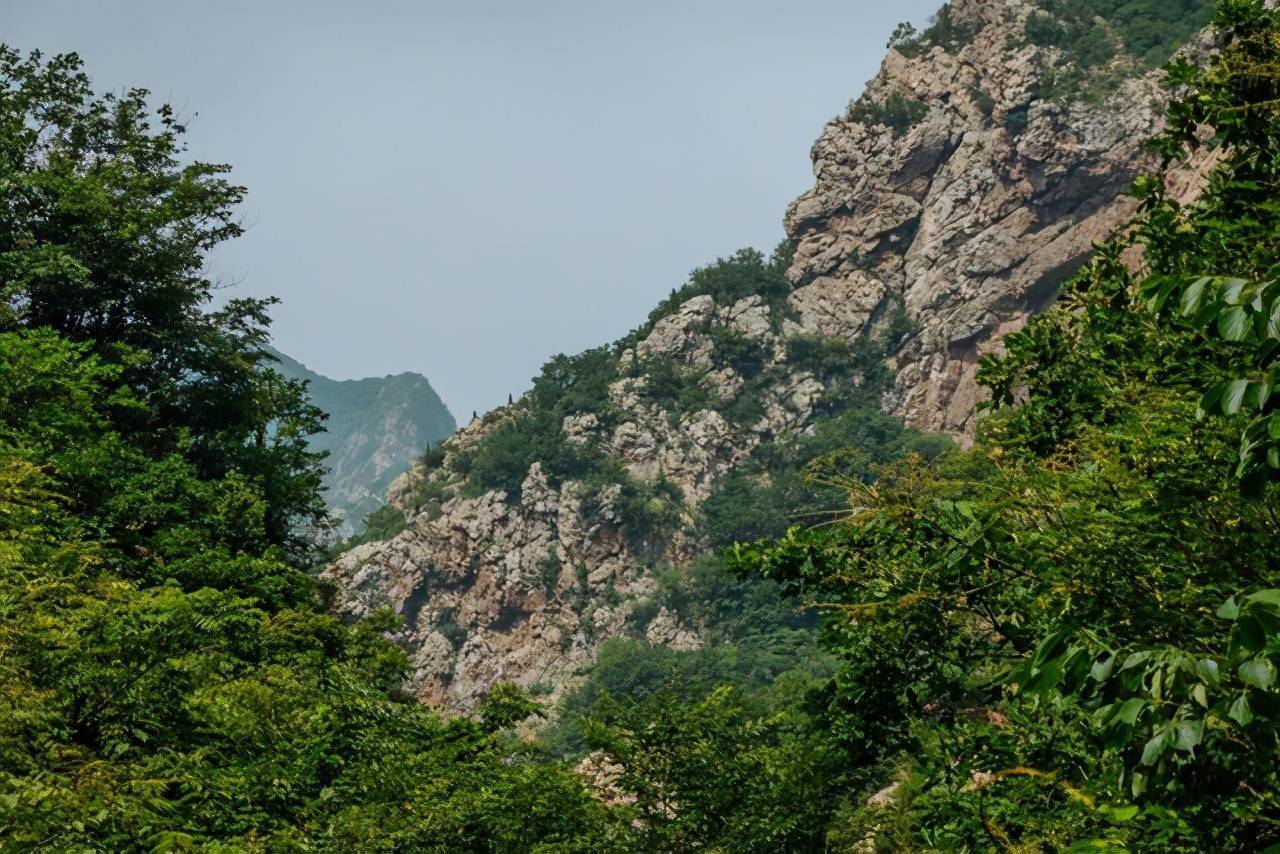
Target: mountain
(973,177)
(748,608)
(950,200)
(376,427)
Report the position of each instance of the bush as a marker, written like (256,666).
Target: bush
(897,112)
(906,40)
(942,32)
(745,273)
(1094,34)
(669,385)
(946,33)
(735,350)
(982,100)
(1015,121)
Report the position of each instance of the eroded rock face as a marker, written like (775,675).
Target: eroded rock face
(490,591)
(969,220)
(965,223)
(525,591)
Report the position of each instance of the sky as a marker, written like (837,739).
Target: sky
(464,189)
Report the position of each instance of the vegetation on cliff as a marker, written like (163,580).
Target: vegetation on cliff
(1102,44)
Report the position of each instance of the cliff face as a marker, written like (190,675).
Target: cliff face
(971,218)
(495,588)
(376,428)
(951,194)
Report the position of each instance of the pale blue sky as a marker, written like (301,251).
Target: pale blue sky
(466,188)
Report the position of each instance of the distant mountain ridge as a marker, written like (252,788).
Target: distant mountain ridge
(376,428)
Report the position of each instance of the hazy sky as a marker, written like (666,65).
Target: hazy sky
(466,188)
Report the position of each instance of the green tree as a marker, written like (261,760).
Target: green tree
(1067,638)
(102,240)
(169,677)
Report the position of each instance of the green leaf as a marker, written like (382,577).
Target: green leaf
(1200,695)
(1193,295)
(1120,813)
(1229,610)
(1101,670)
(1232,290)
(1249,633)
(1240,711)
(1267,598)
(1233,323)
(1153,748)
(1273,320)
(1233,396)
(1211,399)
(1258,672)
(1187,735)
(1045,678)
(1135,658)
(1129,711)
(1270,349)
(1049,648)
(1258,395)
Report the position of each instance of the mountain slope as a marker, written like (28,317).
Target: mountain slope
(377,426)
(971,179)
(950,200)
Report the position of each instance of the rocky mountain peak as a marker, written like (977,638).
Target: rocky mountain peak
(950,201)
(955,190)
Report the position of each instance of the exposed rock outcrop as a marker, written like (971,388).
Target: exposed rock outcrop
(971,218)
(525,591)
(964,220)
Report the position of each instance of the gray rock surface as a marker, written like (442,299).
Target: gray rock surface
(966,224)
(971,219)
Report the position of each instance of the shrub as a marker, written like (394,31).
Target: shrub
(943,32)
(1015,121)
(982,100)
(897,112)
(641,615)
(1095,35)
(745,273)
(906,40)
(735,350)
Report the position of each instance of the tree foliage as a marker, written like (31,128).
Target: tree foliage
(169,677)
(1066,638)
(1103,42)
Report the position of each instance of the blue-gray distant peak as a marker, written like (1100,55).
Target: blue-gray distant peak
(376,427)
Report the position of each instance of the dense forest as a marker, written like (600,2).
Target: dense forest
(1064,638)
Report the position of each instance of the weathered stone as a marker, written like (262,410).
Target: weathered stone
(967,223)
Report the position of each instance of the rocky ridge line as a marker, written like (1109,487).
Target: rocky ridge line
(966,222)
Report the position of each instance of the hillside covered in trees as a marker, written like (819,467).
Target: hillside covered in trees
(1063,638)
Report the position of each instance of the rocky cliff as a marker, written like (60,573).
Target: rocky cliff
(950,201)
(376,428)
(969,218)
